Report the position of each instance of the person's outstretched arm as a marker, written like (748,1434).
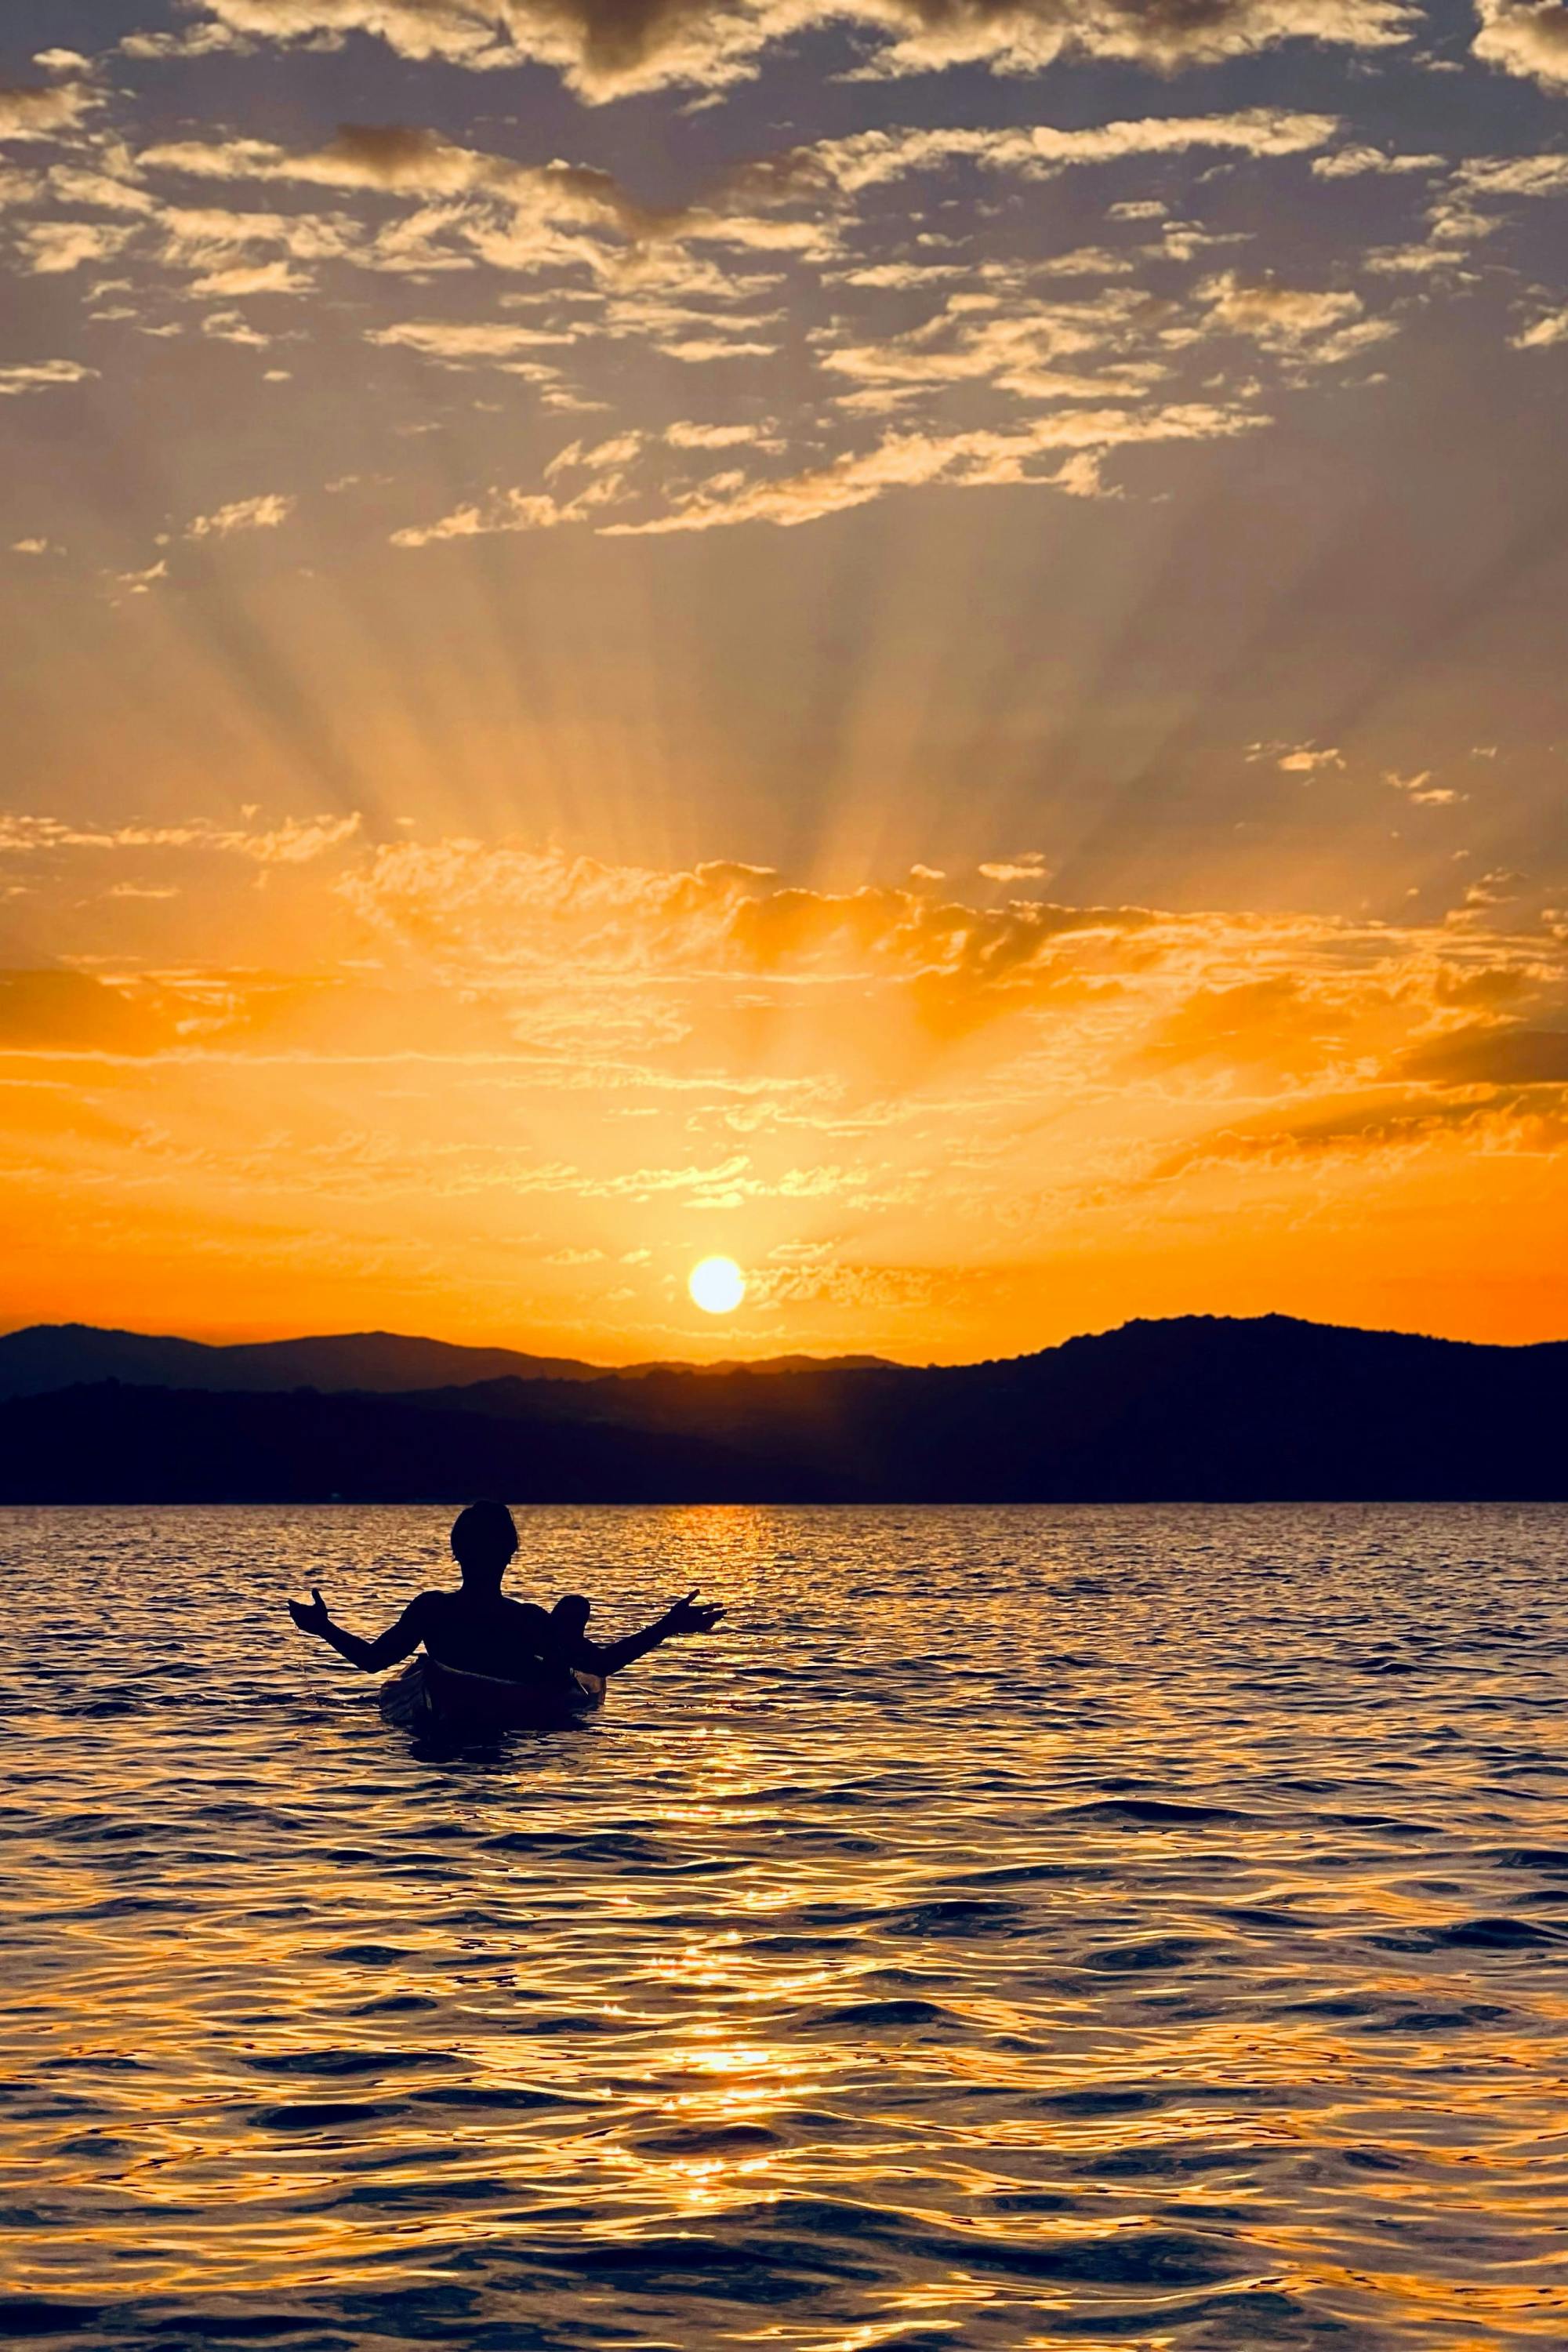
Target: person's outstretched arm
(399,1641)
(687,1616)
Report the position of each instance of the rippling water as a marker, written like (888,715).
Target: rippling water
(1135,1928)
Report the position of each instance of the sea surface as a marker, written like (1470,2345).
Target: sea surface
(1119,1927)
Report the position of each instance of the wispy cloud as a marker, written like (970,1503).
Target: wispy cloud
(295,841)
(264,512)
(41,375)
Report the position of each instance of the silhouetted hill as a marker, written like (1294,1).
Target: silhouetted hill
(1199,1409)
(64,1355)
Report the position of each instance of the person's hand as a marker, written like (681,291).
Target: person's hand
(310,1616)
(691,1615)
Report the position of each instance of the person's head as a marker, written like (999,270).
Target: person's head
(571,1614)
(483,1541)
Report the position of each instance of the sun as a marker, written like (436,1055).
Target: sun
(717,1286)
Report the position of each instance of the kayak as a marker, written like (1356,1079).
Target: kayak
(429,1696)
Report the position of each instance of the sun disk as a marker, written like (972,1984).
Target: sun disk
(717,1285)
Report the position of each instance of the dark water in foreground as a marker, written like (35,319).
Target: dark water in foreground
(1120,1928)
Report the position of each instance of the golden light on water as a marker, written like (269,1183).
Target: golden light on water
(717,1285)
(797,2030)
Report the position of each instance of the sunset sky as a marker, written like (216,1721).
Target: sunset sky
(919,643)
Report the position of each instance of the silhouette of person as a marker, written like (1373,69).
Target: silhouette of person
(479,1629)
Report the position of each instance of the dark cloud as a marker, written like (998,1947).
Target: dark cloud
(69,1011)
(1528,1117)
(1489,1054)
(390,152)
(1525,37)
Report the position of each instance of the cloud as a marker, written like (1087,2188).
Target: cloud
(141,583)
(1293,322)
(696,351)
(1197,1007)
(245,279)
(1297,758)
(1421,790)
(685,434)
(192,41)
(52,247)
(499,511)
(1281,1023)
(483,343)
(109,187)
(1034,350)
(399,159)
(904,276)
(233,327)
(1030,866)
(1529,38)
(846,1052)
(47,111)
(263,513)
(609,48)
(41,375)
(1492,1053)
(655,280)
(1460,217)
(1382,1130)
(296,842)
(1545,329)
(474,207)
(1514,176)
(1483,899)
(873,158)
(619,450)
(1165,35)
(19,187)
(908,460)
(204,236)
(1412,260)
(513,510)
(452,208)
(509,911)
(1357,161)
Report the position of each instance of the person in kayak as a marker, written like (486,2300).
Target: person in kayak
(479,1629)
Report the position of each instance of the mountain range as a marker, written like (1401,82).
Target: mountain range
(49,1356)
(1196,1408)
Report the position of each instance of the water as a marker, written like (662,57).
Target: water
(1139,1928)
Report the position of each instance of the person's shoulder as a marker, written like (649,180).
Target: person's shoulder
(515,1608)
(431,1603)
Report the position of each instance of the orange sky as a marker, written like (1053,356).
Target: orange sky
(516,1095)
(927,655)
